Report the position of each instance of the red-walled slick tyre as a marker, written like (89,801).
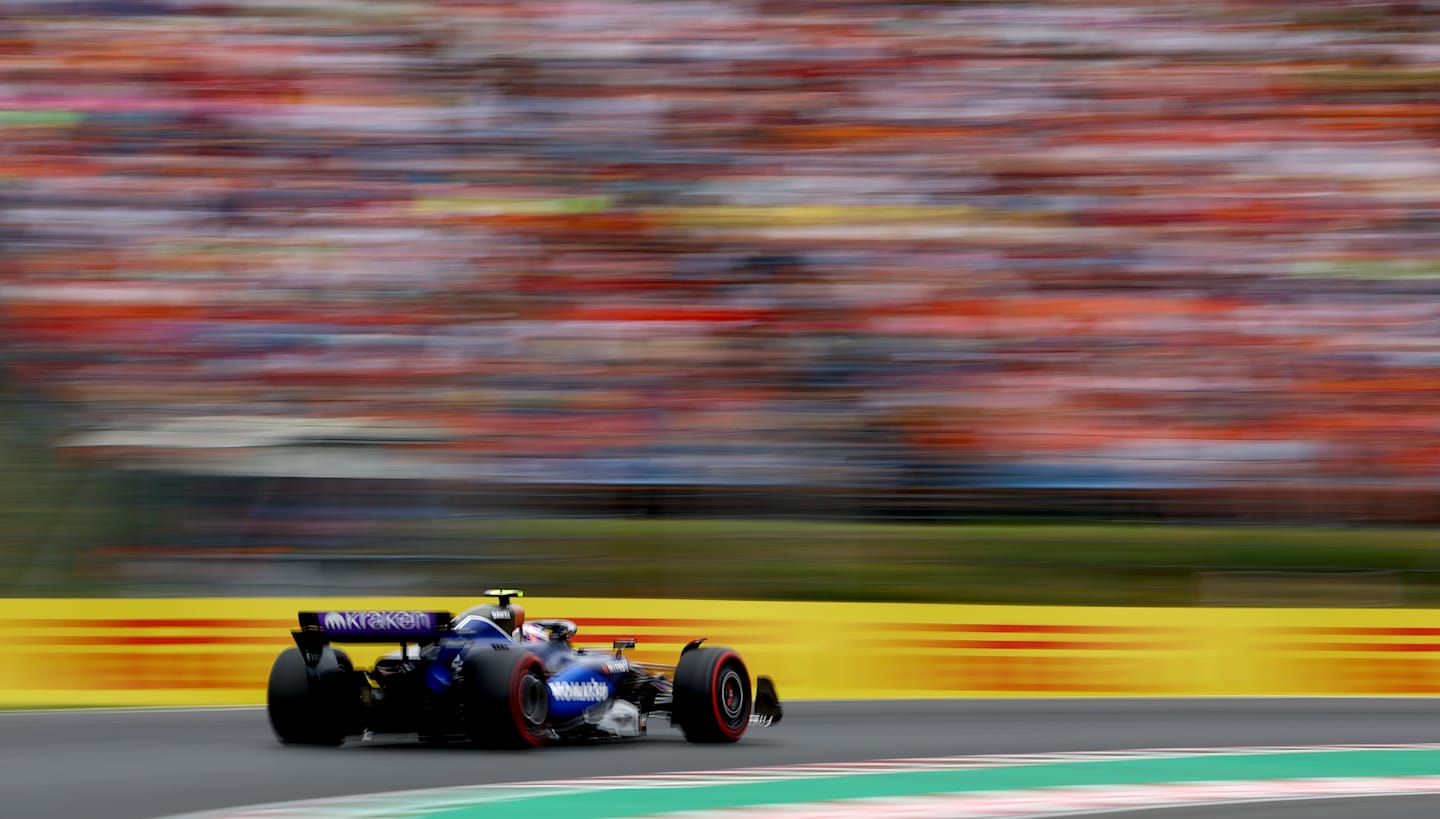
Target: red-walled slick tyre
(712,693)
(507,702)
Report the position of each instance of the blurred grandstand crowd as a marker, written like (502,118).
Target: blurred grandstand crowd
(729,242)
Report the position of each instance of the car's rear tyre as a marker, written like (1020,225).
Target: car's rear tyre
(305,711)
(713,697)
(507,703)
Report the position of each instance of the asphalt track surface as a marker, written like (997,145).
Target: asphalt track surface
(142,764)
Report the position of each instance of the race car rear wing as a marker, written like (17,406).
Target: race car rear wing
(365,626)
(319,628)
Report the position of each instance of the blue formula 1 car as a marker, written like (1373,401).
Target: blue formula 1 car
(490,677)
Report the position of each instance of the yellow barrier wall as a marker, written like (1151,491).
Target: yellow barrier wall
(218,651)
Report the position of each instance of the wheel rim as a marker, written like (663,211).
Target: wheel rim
(731,692)
(534,704)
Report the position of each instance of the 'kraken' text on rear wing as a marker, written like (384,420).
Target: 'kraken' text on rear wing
(366,626)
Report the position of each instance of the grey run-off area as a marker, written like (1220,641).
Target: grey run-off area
(144,764)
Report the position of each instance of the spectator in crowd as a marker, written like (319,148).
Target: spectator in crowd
(730,241)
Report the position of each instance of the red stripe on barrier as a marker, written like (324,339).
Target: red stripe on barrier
(149,622)
(1045,645)
(643,622)
(1382,647)
(1361,631)
(151,640)
(583,638)
(193,623)
(1040,628)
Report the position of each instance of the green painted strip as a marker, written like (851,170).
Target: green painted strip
(640,801)
(44,119)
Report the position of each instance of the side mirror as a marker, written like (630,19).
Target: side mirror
(622,643)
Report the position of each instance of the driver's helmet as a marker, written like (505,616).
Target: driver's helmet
(531,633)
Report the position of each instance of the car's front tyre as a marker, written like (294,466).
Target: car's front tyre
(713,697)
